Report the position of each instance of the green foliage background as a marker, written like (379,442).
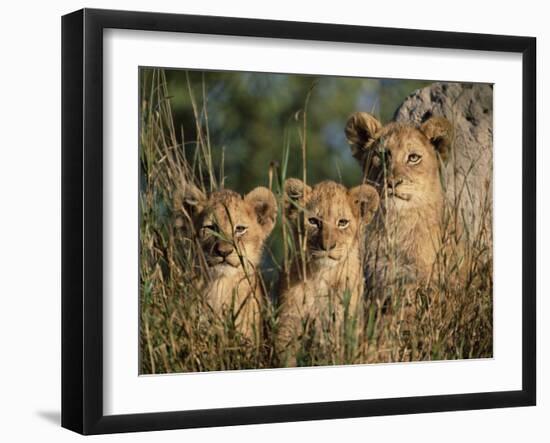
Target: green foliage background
(252,115)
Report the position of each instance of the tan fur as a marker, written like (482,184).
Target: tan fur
(403,162)
(231,231)
(332,220)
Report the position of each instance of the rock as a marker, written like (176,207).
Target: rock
(469,107)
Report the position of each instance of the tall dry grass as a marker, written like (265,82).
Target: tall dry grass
(447,319)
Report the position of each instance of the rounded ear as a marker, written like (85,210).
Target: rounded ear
(264,204)
(296,196)
(361,128)
(189,199)
(364,201)
(440,133)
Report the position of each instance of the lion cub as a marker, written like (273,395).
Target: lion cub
(231,231)
(404,162)
(327,277)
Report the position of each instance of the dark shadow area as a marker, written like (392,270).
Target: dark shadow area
(54,417)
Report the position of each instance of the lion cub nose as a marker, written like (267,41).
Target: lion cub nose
(328,242)
(223,249)
(394,182)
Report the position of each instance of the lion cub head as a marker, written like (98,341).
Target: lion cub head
(331,217)
(232,229)
(402,161)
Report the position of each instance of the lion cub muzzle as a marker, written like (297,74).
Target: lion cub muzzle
(224,253)
(323,244)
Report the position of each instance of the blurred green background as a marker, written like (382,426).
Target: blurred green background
(251,116)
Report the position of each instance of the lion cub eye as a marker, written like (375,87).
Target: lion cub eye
(314,221)
(240,230)
(414,158)
(343,223)
(208,229)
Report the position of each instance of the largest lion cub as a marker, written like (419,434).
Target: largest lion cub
(404,163)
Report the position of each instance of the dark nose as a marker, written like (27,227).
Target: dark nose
(394,182)
(223,249)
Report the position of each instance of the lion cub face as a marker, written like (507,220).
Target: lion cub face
(331,216)
(232,229)
(402,161)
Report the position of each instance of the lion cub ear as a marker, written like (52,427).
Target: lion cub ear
(440,133)
(265,206)
(296,195)
(364,201)
(190,200)
(361,128)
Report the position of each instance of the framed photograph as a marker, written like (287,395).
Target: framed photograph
(269,221)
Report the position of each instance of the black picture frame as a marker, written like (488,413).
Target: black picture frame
(82,219)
